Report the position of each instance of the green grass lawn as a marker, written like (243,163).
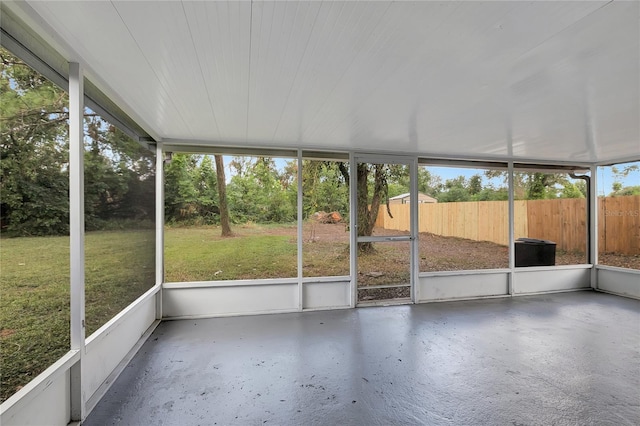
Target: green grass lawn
(254,252)
(34,295)
(259,251)
(201,254)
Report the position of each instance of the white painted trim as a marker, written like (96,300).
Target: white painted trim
(618,160)
(415,235)
(461,299)
(107,350)
(328,308)
(464,272)
(231,314)
(230,283)
(542,279)
(593,228)
(122,315)
(412,163)
(31,390)
(318,280)
(569,290)
(454,285)
(159,225)
(353,228)
(618,269)
(629,296)
(198,145)
(299,223)
(552,268)
(111,378)
(208,301)
(384,158)
(511,224)
(623,282)
(76,240)
(323,295)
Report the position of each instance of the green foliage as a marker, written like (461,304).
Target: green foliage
(324,188)
(627,190)
(33,151)
(622,172)
(34,185)
(475,184)
(119,177)
(576,189)
(539,186)
(455,190)
(428,183)
(259,192)
(181,197)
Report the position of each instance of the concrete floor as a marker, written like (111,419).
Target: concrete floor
(559,359)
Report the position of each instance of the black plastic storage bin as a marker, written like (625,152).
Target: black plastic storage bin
(534,252)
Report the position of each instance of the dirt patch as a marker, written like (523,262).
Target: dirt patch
(5,332)
(619,260)
(372,294)
(440,253)
(313,232)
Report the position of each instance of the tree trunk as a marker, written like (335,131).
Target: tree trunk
(222,197)
(367,215)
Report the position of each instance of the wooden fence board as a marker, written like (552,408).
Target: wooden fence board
(619,223)
(563,221)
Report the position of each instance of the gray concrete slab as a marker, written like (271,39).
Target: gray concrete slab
(559,359)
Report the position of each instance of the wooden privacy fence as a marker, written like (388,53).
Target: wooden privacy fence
(563,221)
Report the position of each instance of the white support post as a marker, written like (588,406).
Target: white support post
(300,237)
(593,226)
(415,234)
(353,232)
(159,226)
(512,246)
(76,218)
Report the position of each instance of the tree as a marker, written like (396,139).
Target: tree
(259,192)
(620,173)
(534,185)
(222,197)
(324,188)
(181,195)
(475,184)
(627,190)
(374,175)
(34,149)
(33,152)
(428,183)
(573,189)
(455,190)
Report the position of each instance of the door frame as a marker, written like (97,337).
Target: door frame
(412,162)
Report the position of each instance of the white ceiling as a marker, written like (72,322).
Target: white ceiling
(554,81)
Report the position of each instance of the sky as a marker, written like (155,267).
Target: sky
(605,174)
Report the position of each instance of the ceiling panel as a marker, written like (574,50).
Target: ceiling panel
(554,81)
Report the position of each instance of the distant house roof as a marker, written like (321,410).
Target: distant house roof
(423,198)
